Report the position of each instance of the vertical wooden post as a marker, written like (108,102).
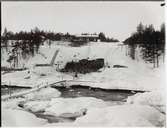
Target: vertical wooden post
(9,88)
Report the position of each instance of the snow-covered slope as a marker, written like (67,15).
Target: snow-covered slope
(142,109)
(138,75)
(123,115)
(20,118)
(155,99)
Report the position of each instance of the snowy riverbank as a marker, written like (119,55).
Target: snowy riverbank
(138,75)
(142,109)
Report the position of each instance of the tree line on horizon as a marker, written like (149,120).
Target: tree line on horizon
(36,37)
(28,43)
(151,42)
(44,35)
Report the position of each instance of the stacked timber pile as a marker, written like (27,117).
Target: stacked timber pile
(84,66)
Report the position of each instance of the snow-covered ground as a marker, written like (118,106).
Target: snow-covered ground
(90,111)
(20,118)
(138,75)
(155,99)
(141,109)
(123,115)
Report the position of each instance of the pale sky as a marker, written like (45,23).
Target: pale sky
(115,19)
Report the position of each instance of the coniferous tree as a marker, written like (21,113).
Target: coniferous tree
(102,37)
(151,41)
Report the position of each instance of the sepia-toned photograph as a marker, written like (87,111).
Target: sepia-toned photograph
(98,63)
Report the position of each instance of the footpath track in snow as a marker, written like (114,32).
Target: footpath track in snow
(36,88)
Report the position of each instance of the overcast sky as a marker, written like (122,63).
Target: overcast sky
(115,19)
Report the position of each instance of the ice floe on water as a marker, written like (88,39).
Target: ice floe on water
(71,105)
(139,110)
(43,94)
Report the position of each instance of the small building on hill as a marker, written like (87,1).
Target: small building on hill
(85,38)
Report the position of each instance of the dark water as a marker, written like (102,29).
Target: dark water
(53,119)
(116,96)
(7,90)
(73,92)
(78,91)
(86,91)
